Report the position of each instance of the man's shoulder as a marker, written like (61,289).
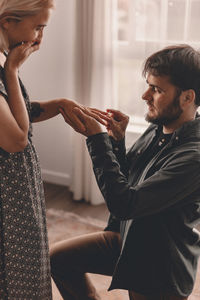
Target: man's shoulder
(190,130)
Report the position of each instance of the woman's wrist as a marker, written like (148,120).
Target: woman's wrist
(10,71)
(9,67)
(60,102)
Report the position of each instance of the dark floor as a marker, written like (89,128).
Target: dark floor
(59,197)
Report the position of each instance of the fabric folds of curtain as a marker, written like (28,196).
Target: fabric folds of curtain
(94,55)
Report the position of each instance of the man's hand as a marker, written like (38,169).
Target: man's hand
(116,122)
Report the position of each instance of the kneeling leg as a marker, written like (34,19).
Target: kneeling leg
(72,259)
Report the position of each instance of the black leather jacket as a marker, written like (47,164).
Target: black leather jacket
(156,206)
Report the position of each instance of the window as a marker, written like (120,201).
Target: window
(145,26)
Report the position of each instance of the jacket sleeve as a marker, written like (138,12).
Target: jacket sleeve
(119,150)
(175,183)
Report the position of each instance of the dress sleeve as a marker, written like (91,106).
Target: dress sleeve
(3,91)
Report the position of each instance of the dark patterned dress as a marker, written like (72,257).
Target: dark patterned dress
(24,253)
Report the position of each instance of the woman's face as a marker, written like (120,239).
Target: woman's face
(29,29)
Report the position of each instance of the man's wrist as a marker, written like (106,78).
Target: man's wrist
(93,134)
(117,138)
(99,143)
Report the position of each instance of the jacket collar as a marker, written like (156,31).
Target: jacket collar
(188,130)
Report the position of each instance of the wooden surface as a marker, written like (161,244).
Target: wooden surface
(59,197)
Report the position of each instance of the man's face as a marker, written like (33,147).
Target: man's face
(162,98)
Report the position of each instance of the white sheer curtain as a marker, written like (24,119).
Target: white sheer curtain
(94,83)
(146,26)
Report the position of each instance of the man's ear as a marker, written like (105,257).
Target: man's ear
(188,97)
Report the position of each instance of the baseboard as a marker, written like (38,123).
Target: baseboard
(56,177)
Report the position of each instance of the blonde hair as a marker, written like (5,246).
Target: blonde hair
(18,9)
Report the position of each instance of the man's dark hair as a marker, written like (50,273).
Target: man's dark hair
(181,63)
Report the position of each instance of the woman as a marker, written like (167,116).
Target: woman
(24,254)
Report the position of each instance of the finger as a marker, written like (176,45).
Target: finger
(67,120)
(118,115)
(100,118)
(113,126)
(18,45)
(28,47)
(35,47)
(77,126)
(81,114)
(112,122)
(102,114)
(98,111)
(77,122)
(84,108)
(115,111)
(25,45)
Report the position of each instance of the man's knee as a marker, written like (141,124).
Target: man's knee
(64,257)
(58,259)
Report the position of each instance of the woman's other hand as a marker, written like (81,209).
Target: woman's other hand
(18,55)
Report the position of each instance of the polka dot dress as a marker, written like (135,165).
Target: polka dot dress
(24,253)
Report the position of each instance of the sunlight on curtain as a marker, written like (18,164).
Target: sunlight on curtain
(145,26)
(94,83)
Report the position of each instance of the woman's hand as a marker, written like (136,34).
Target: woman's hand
(66,108)
(86,120)
(116,122)
(70,112)
(17,55)
(78,118)
(91,125)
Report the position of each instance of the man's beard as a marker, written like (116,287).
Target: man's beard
(169,114)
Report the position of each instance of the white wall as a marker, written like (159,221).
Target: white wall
(49,74)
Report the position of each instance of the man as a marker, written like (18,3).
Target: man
(152,193)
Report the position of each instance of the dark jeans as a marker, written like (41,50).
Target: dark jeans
(91,253)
